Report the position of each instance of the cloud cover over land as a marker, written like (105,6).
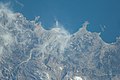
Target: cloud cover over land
(30,52)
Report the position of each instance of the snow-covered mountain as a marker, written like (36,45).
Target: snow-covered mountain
(29,52)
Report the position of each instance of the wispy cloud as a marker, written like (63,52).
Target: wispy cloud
(26,47)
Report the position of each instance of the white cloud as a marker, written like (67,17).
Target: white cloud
(55,41)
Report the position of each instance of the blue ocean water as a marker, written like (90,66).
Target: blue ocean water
(51,50)
(71,14)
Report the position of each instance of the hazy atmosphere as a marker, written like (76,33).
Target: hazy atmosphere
(59,40)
